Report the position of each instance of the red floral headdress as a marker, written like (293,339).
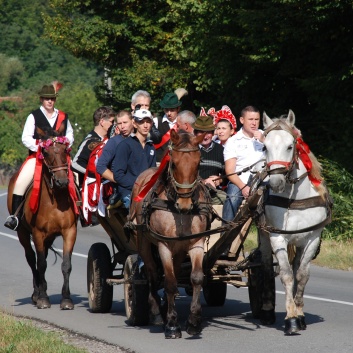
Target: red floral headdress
(224,114)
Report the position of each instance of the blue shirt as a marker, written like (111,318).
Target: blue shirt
(105,160)
(131,159)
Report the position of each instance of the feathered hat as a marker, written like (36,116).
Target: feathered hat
(50,91)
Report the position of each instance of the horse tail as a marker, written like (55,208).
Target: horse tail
(56,253)
(291,253)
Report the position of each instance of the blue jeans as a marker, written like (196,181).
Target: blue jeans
(126,201)
(232,203)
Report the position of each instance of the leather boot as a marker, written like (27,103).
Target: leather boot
(13,221)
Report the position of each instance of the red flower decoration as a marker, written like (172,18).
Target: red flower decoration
(224,114)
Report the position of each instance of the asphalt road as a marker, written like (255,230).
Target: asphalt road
(231,328)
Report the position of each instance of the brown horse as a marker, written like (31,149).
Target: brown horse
(55,216)
(177,206)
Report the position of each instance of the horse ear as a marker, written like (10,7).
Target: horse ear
(174,137)
(61,129)
(40,132)
(290,118)
(199,138)
(266,120)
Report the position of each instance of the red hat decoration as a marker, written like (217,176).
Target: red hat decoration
(224,114)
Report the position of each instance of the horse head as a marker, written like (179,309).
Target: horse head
(280,144)
(184,164)
(54,149)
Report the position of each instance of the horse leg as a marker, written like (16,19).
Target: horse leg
(302,274)
(267,315)
(25,240)
(193,324)
(172,328)
(150,268)
(279,246)
(69,239)
(43,299)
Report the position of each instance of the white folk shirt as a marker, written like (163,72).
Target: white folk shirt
(246,150)
(170,123)
(28,130)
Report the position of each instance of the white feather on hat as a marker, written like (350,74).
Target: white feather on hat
(181,92)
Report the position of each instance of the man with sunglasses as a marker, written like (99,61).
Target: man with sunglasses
(45,117)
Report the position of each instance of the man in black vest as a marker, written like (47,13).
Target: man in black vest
(103,121)
(45,117)
(171,107)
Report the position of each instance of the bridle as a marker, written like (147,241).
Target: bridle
(287,166)
(52,169)
(175,184)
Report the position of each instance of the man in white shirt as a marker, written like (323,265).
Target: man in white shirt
(242,150)
(45,117)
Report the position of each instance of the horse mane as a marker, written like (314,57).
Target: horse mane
(47,132)
(185,138)
(316,170)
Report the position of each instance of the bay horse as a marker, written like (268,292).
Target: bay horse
(54,214)
(171,216)
(295,212)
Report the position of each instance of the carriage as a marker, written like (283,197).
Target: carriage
(224,262)
(120,265)
(142,263)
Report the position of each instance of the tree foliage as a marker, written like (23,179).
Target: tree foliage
(28,61)
(276,54)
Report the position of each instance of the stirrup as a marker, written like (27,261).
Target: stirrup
(9,219)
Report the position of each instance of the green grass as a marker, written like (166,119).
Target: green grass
(20,336)
(333,254)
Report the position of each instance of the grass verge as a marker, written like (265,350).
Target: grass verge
(19,336)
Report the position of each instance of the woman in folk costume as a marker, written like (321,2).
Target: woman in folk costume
(225,124)
(45,117)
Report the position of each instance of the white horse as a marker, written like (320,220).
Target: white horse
(295,212)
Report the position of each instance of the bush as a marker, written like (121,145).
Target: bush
(340,184)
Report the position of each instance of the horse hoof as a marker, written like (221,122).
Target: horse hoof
(34,298)
(66,304)
(43,303)
(302,323)
(192,329)
(172,332)
(291,326)
(156,320)
(267,317)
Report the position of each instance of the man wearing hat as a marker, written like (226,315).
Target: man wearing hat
(212,161)
(45,117)
(133,155)
(171,106)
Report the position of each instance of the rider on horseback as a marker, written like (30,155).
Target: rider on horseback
(45,117)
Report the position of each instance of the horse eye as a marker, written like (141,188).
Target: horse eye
(290,147)
(264,149)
